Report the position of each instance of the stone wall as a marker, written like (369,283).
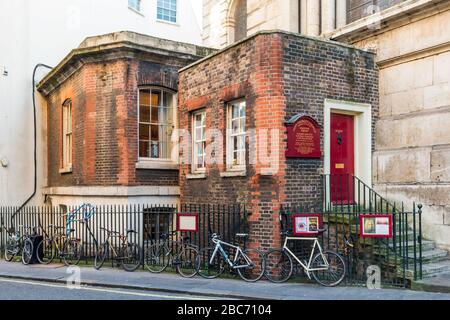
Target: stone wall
(412,158)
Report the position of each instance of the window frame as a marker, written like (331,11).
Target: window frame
(167,21)
(139,9)
(195,141)
(169,160)
(229,136)
(66,136)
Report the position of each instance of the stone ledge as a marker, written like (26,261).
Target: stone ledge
(113,191)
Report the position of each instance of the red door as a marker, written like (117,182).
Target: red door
(342,160)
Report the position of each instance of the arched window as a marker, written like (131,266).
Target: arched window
(67,135)
(156,123)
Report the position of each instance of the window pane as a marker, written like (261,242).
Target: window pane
(235,126)
(154,133)
(156,98)
(155,115)
(144,149)
(144,132)
(144,97)
(235,112)
(144,114)
(154,145)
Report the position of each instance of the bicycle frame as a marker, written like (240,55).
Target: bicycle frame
(123,242)
(232,264)
(307,267)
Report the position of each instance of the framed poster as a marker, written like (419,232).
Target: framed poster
(305,224)
(375,225)
(187,222)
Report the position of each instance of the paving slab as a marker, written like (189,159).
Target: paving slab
(227,288)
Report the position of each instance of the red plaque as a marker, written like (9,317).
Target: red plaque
(303,138)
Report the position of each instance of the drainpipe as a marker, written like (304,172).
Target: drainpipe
(39,65)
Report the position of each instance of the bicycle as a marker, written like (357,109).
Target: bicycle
(17,243)
(248,263)
(128,254)
(59,244)
(326,267)
(182,255)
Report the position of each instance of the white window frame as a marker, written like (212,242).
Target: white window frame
(196,140)
(67,136)
(138,9)
(230,135)
(167,21)
(158,163)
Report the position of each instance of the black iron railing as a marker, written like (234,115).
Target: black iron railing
(345,199)
(149,221)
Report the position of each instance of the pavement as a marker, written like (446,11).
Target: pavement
(171,284)
(438,283)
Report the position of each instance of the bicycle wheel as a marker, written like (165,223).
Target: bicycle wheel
(11,248)
(255,271)
(334,274)
(101,255)
(279,266)
(209,269)
(72,252)
(131,257)
(27,251)
(187,257)
(156,257)
(45,251)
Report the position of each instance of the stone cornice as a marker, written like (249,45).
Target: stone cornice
(391,18)
(121,45)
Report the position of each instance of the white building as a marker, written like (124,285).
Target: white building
(44,31)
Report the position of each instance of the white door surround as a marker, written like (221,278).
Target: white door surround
(363,135)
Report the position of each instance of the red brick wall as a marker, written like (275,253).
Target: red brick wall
(252,71)
(105,130)
(279,75)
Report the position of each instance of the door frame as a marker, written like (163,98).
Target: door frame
(362,113)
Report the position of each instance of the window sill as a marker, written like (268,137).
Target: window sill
(66,170)
(175,24)
(156,165)
(194,176)
(230,174)
(136,11)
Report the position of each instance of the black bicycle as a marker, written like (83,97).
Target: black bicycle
(181,255)
(58,244)
(19,243)
(126,253)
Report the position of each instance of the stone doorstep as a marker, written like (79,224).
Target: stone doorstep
(431,269)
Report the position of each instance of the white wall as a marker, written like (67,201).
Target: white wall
(33,31)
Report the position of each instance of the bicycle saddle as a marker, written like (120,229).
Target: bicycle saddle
(131,231)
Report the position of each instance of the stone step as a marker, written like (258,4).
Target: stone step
(429,256)
(431,269)
(426,245)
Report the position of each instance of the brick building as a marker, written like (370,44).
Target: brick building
(236,103)
(111,119)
